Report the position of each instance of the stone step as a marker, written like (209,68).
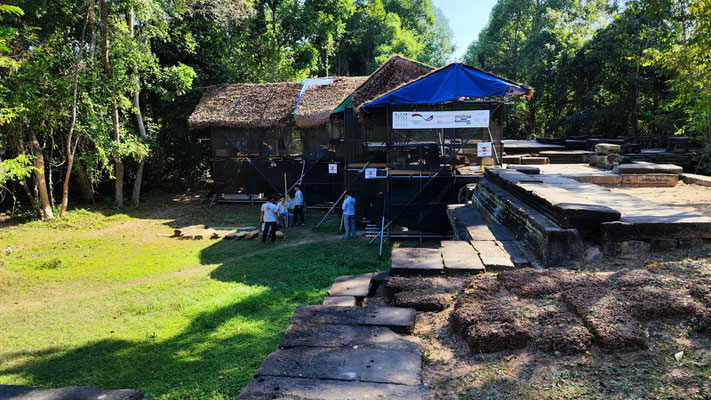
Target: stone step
(468,224)
(551,244)
(345,364)
(460,257)
(351,336)
(492,255)
(270,387)
(416,261)
(516,253)
(340,301)
(648,168)
(357,286)
(400,320)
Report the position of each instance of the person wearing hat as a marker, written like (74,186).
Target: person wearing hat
(349,216)
(269,217)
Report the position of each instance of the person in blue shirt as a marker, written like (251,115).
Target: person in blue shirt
(349,216)
(298,205)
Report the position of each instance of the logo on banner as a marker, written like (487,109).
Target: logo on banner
(371,173)
(332,168)
(430,118)
(483,149)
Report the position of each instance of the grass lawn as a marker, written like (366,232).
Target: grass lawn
(102,299)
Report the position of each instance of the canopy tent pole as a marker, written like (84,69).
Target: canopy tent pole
(433,176)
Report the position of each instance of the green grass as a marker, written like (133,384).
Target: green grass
(101,299)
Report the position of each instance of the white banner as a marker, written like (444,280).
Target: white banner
(371,173)
(332,168)
(441,119)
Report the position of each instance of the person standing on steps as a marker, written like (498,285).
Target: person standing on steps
(298,205)
(349,216)
(270,217)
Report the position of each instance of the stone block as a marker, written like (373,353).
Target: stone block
(607,179)
(492,255)
(345,364)
(357,286)
(273,387)
(526,169)
(663,244)
(399,320)
(650,179)
(690,243)
(411,261)
(609,161)
(607,148)
(340,301)
(696,179)
(349,336)
(460,257)
(648,168)
(68,393)
(534,160)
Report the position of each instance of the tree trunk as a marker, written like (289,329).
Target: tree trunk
(71,149)
(33,199)
(136,195)
(40,178)
(87,189)
(116,135)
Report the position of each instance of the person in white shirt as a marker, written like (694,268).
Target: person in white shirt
(298,205)
(283,211)
(269,218)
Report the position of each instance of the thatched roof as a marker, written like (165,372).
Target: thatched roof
(393,73)
(246,105)
(317,102)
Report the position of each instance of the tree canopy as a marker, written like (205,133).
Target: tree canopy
(91,90)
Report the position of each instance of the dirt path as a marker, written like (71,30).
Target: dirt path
(68,294)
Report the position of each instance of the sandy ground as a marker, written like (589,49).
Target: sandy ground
(691,198)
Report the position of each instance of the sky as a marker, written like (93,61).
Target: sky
(466,18)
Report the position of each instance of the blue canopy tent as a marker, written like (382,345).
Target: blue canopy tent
(449,83)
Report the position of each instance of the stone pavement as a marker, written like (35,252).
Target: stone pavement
(341,352)
(11,392)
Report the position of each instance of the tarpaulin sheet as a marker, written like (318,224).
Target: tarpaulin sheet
(449,83)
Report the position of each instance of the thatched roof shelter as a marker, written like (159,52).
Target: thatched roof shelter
(317,102)
(246,105)
(393,73)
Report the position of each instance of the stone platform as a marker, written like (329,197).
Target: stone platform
(552,213)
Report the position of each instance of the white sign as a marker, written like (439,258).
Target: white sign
(332,168)
(371,173)
(483,149)
(441,119)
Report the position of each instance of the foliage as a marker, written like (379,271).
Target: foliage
(173,51)
(683,51)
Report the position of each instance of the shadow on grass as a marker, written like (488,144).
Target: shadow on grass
(195,364)
(216,354)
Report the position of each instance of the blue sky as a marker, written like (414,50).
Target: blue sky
(467,18)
